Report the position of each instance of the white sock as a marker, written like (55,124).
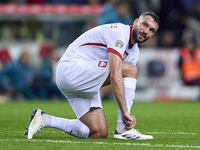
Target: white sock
(129,87)
(71,126)
(47,119)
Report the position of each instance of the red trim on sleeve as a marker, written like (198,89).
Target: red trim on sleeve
(95,44)
(114,51)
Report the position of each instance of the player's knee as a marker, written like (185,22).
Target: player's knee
(102,134)
(99,133)
(105,133)
(130,70)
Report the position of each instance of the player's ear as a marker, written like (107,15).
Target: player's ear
(135,22)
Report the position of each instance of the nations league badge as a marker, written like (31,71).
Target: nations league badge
(119,44)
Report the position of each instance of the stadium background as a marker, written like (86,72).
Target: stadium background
(30,24)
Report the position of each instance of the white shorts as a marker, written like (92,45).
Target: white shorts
(80,81)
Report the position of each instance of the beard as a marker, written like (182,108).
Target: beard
(136,38)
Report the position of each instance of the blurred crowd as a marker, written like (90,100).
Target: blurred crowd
(24,79)
(179,27)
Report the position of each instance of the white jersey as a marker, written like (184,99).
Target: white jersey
(84,66)
(97,42)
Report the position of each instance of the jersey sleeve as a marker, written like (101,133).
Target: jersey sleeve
(116,41)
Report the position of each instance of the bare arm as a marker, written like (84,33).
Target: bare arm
(116,80)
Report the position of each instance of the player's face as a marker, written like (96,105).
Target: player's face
(144,28)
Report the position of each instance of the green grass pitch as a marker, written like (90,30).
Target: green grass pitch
(173,125)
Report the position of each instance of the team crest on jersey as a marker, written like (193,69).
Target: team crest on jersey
(119,44)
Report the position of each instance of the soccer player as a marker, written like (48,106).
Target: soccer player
(104,55)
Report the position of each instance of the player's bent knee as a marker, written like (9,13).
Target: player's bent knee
(99,133)
(102,134)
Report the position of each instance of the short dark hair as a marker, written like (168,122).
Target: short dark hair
(153,15)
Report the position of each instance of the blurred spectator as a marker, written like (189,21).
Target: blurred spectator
(115,11)
(44,49)
(17,77)
(44,84)
(5,59)
(5,56)
(190,36)
(189,63)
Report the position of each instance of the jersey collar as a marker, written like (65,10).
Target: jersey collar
(129,44)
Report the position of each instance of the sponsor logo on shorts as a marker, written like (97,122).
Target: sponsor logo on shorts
(119,44)
(102,64)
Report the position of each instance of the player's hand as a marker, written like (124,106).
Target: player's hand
(129,120)
(132,123)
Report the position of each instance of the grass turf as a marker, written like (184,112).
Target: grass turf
(173,125)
